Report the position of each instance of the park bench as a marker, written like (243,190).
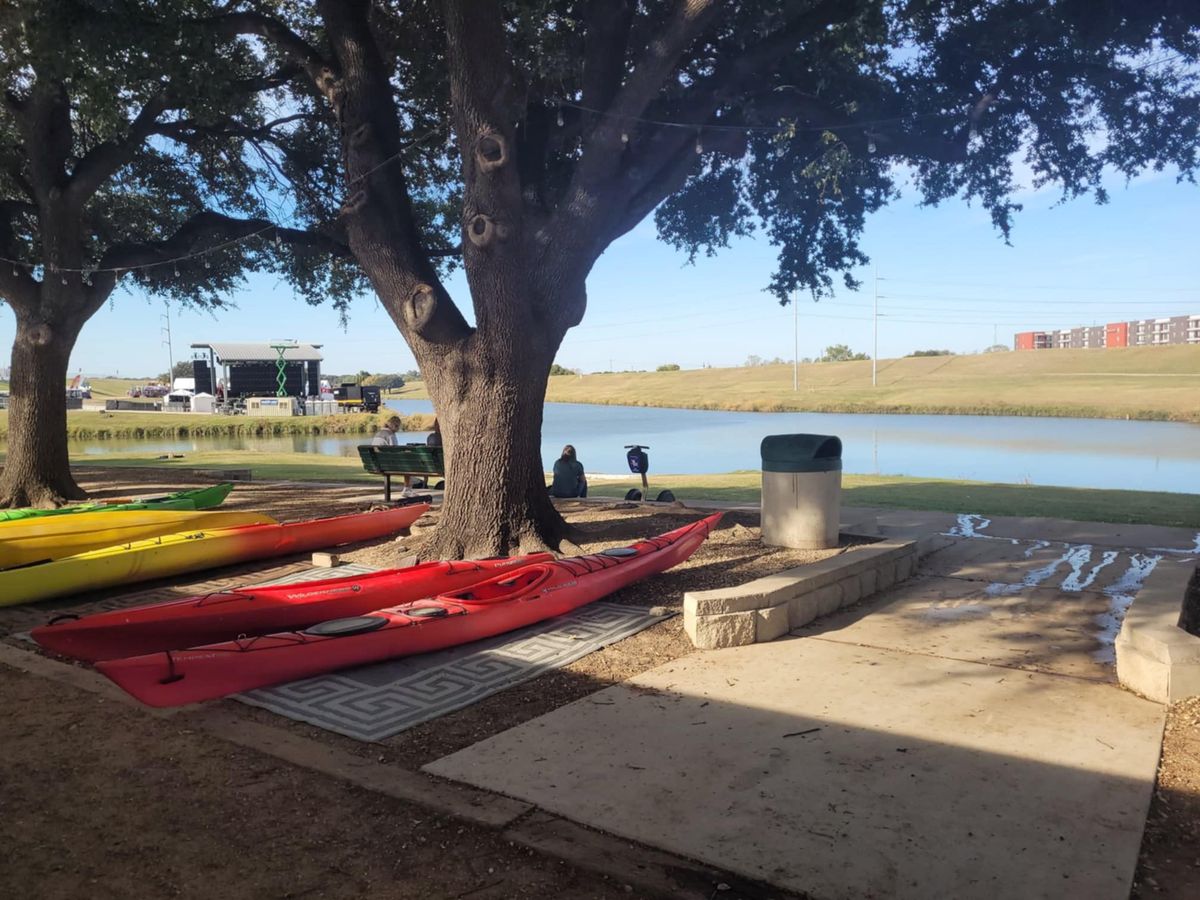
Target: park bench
(405,460)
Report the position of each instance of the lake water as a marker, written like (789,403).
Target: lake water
(1098,453)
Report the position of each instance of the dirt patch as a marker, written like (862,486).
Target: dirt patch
(1169,863)
(101,800)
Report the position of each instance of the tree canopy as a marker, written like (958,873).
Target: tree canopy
(134,148)
(519,139)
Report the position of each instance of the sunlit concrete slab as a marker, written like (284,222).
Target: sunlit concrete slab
(849,771)
(1040,629)
(1071,565)
(901,522)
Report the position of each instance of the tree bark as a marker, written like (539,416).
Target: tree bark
(37,471)
(489,398)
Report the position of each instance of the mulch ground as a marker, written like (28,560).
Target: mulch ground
(103,799)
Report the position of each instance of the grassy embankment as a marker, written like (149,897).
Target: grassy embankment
(1137,383)
(897,492)
(90,424)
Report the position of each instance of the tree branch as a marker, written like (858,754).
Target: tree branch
(209,228)
(493,212)
(661,57)
(106,158)
(45,121)
(17,284)
(320,70)
(380,223)
(605,43)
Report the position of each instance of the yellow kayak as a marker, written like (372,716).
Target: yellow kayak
(174,554)
(25,541)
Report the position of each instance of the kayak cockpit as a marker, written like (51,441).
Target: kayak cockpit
(506,588)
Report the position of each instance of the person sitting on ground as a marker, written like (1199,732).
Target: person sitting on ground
(435,436)
(569,480)
(386,436)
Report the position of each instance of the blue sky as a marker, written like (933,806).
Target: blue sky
(946,281)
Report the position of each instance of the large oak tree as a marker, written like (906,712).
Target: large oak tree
(564,123)
(530,134)
(137,149)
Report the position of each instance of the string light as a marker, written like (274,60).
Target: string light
(207,263)
(871,145)
(699,142)
(841,126)
(175,261)
(559,117)
(624,137)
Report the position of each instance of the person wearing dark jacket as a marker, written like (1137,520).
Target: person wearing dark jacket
(569,480)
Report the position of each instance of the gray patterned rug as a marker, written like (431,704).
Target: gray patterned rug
(377,701)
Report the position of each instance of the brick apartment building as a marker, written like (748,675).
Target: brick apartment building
(1145,332)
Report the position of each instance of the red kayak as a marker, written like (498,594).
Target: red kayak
(513,600)
(225,615)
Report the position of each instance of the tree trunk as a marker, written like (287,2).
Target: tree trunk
(490,413)
(37,471)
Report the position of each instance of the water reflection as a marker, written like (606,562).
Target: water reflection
(1100,453)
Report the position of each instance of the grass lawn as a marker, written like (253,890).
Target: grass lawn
(899,492)
(1086,505)
(90,424)
(1132,382)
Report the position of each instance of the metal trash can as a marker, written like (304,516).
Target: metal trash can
(801,490)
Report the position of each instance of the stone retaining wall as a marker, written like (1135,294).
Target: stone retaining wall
(1155,656)
(768,608)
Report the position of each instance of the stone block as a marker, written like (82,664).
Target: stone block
(906,564)
(851,590)
(829,599)
(868,583)
(814,604)
(771,623)
(325,560)
(727,630)
(885,575)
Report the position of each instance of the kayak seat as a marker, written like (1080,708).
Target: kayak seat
(347,626)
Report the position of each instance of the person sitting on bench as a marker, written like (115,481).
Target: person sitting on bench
(386,436)
(569,480)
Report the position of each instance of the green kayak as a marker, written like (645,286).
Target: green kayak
(198,498)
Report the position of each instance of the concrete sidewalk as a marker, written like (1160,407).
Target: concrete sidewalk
(961,735)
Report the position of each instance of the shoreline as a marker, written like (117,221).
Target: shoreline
(881,409)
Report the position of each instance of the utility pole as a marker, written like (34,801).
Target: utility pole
(796,341)
(875,319)
(165,330)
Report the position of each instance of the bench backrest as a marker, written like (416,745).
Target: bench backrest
(403,459)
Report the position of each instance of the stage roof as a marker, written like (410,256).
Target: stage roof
(230,352)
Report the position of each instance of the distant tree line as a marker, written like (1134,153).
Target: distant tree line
(840,353)
(932,353)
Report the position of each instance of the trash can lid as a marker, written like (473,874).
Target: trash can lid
(801,453)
